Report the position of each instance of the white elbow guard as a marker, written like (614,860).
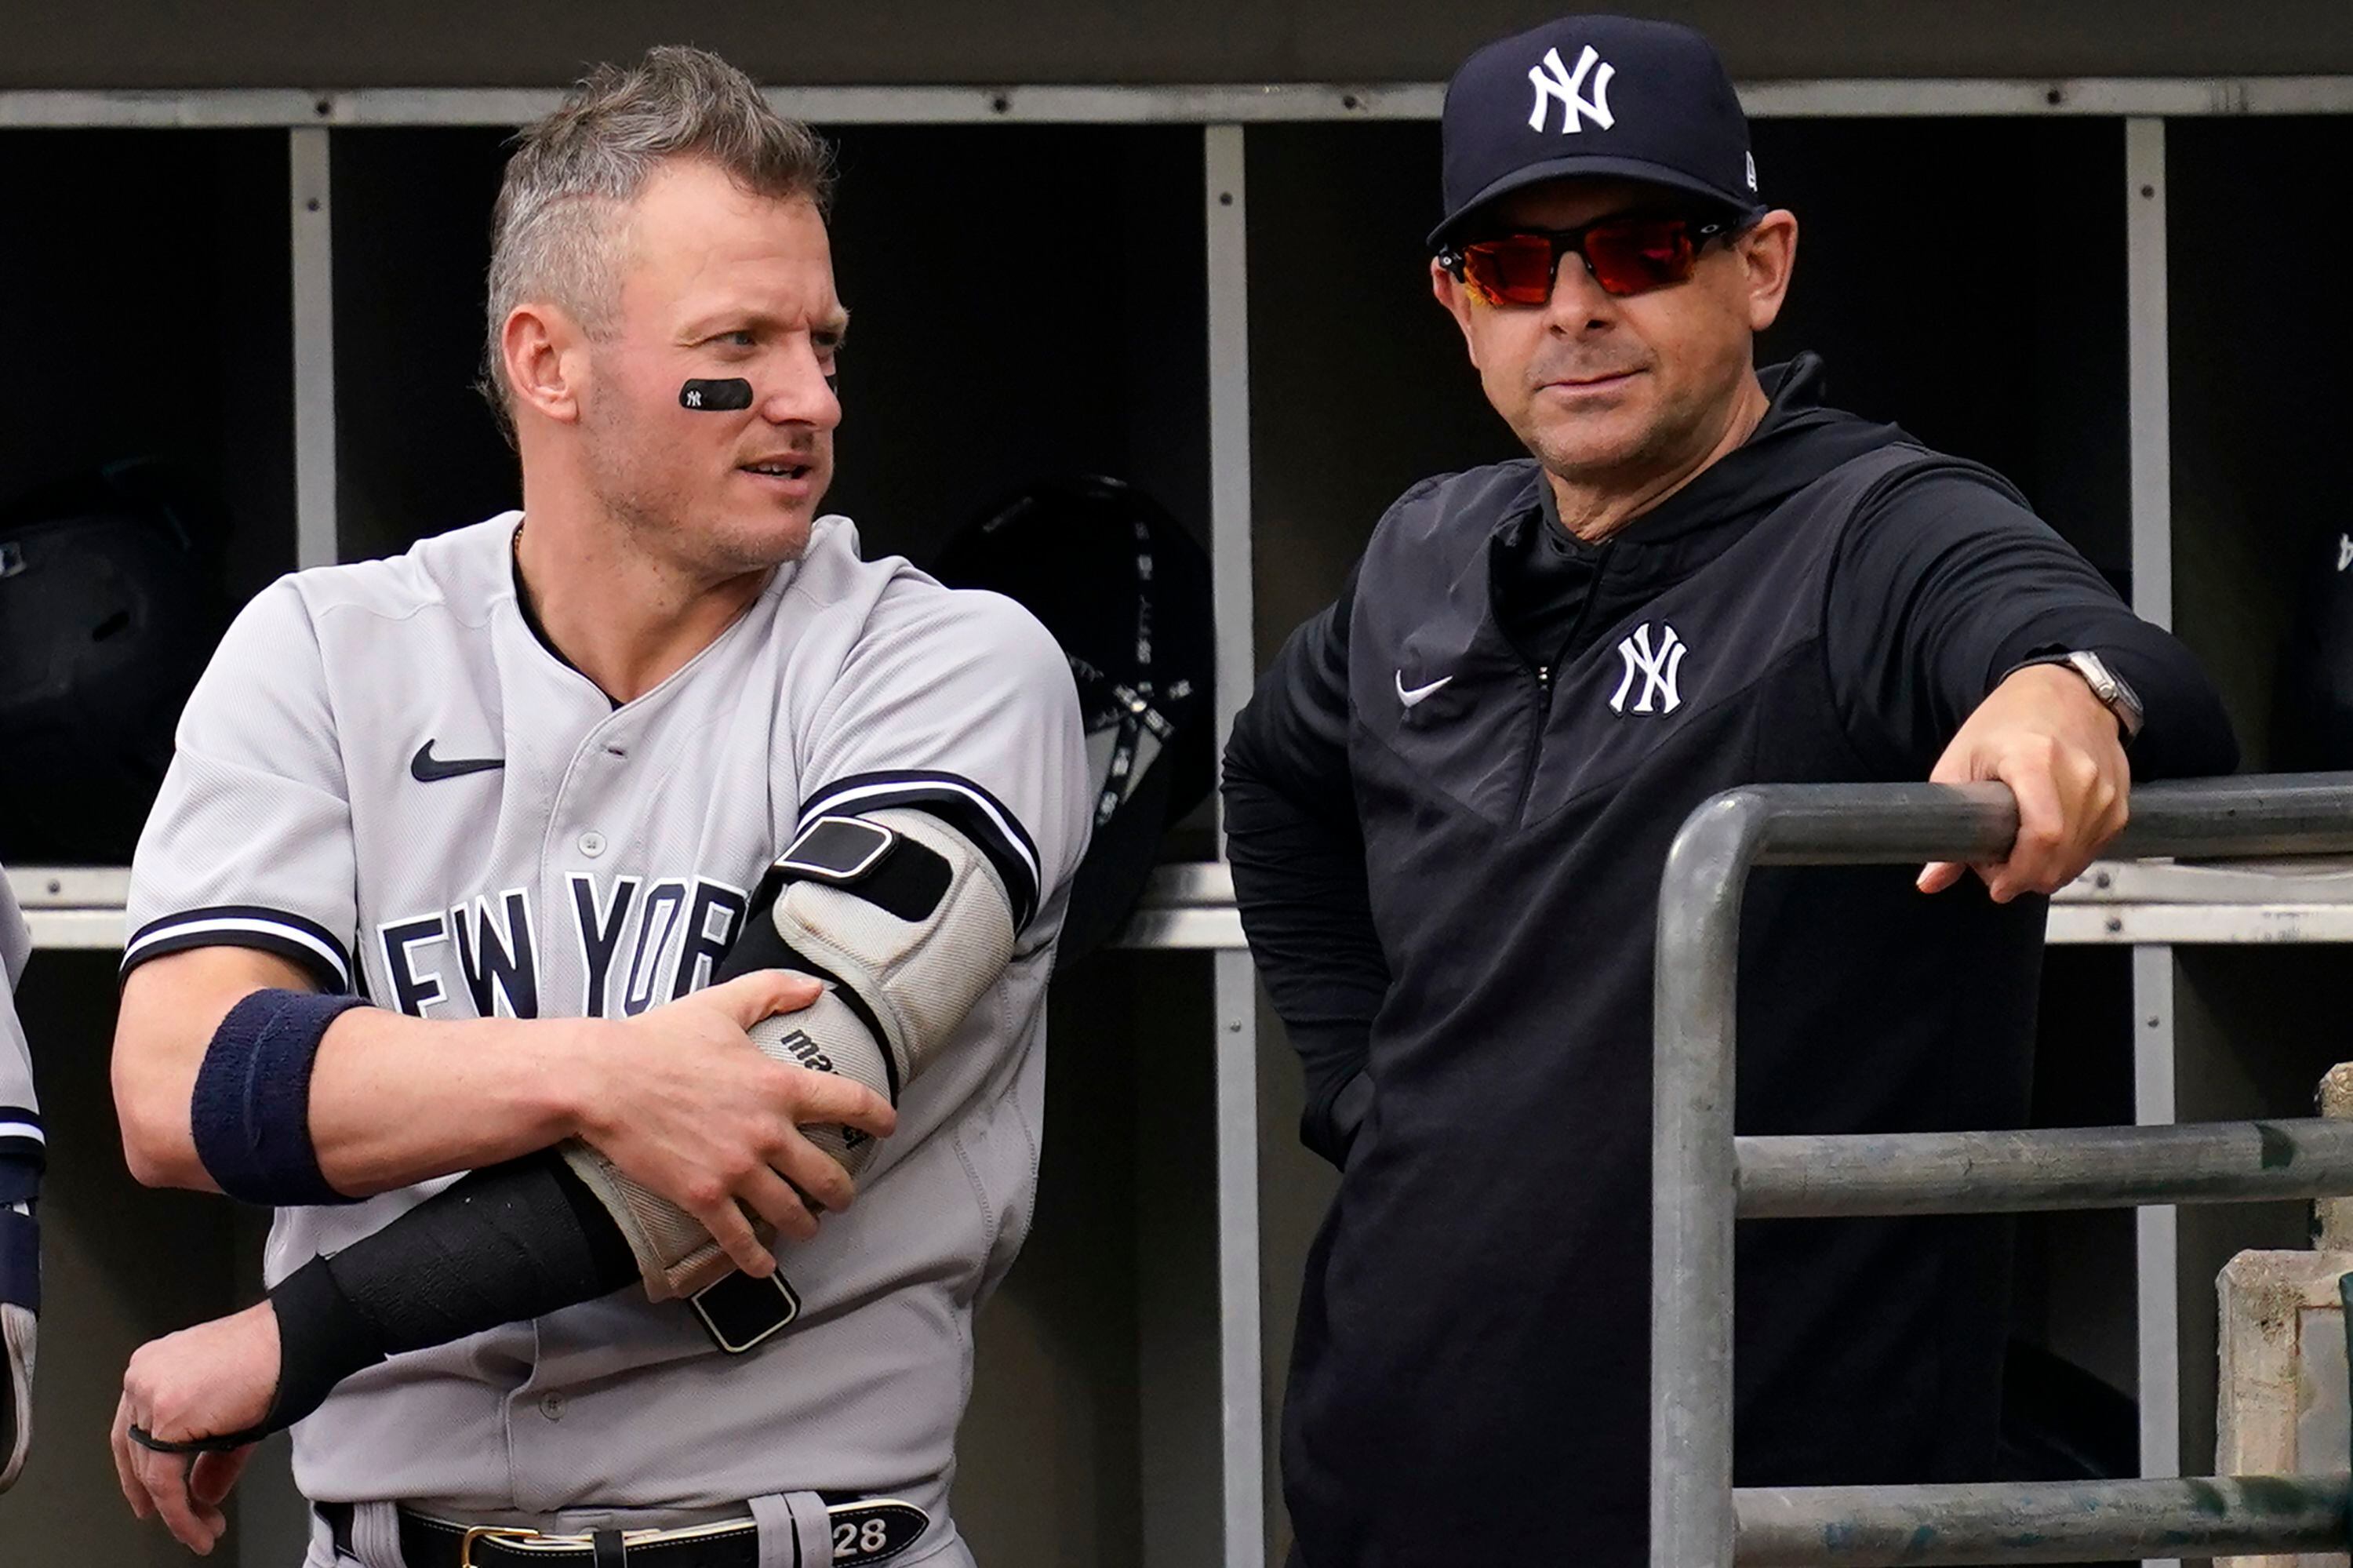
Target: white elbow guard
(20,1299)
(18,1331)
(908,922)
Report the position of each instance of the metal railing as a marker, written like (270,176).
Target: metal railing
(1703,1177)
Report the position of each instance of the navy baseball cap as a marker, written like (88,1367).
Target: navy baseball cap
(1594,95)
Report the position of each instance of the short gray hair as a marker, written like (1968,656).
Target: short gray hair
(555,232)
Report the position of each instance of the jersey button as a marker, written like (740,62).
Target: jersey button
(592,843)
(551,1406)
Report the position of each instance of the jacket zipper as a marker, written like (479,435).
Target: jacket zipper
(1535,740)
(1544,685)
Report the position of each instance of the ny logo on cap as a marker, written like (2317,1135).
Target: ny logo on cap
(1553,79)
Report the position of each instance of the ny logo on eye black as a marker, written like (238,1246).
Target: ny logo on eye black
(425,767)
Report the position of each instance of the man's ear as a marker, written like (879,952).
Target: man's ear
(546,360)
(1449,291)
(1768,253)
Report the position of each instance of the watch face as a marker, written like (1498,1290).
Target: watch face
(2118,698)
(739,1311)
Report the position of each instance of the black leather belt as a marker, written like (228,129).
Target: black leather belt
(865,1531)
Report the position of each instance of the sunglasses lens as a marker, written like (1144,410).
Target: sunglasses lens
(1515,269)
(1640,254)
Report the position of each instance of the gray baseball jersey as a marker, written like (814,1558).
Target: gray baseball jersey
(387,777)
(20,1112)
(22,1148)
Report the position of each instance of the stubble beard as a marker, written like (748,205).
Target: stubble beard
(650,506)
(1674,433)
(1583,461)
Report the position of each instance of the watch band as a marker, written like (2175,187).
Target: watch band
(2114,691)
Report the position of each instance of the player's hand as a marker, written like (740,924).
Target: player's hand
(682,1100)
(2058,747)
(215,1377)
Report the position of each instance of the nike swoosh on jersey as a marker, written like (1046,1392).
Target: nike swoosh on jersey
(425,767)
(1420,694)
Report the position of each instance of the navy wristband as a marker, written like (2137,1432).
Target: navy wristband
(250,1115)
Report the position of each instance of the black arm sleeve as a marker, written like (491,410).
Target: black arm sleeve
(500,1244)
(1948,583)
(1298,859)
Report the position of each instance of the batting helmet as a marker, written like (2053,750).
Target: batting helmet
(1125,591)
(108,611)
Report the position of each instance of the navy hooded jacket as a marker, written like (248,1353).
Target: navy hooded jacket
(1448,806)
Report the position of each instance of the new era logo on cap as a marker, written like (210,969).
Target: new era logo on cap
(1595,96)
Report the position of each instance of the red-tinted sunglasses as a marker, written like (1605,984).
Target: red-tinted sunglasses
(1628,253)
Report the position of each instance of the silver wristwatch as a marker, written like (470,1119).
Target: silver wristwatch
(2114,693)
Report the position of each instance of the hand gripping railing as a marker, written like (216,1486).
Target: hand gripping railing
(1702,1175)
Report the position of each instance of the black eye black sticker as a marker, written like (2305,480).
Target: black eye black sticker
(733,392)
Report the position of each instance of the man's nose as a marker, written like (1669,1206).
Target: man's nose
(803,393)
(1576,299)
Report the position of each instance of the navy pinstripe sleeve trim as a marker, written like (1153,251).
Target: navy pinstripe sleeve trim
(963,804)
(304,941)
(22,1136)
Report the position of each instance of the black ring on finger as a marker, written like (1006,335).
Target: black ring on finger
(229,1444)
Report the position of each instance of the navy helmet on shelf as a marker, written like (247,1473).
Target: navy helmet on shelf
(109,608)
(1125,590)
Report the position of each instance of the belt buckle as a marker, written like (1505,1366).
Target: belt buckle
(500,1532)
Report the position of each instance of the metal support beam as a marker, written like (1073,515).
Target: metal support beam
(1241,1404)
(1230,423)
(315,543)
(1242,1408)
(2149,402)
(1205,103)
(2149,371)
(2045,1168)
(1189,905)
(2060,1522)
(2157,1229)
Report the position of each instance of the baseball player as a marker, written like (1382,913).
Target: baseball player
(21,1150)
(493,858)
